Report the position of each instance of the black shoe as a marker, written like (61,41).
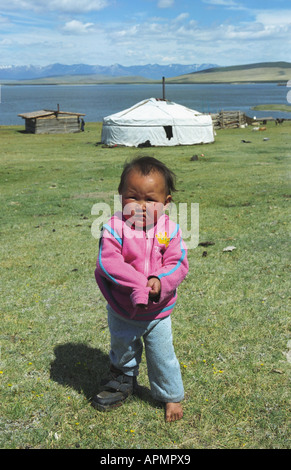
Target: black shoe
(114,392)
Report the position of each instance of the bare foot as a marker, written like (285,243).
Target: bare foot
(174,412)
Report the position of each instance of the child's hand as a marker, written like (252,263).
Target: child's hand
(144,306)
(155,284)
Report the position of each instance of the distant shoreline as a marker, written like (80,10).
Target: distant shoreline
(264,72)
(148,82)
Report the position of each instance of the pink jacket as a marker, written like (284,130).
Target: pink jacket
(128,258)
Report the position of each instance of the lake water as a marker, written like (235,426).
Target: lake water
(98,101)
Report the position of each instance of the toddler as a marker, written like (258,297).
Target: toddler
(142,260)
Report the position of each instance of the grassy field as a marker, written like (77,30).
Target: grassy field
(231,325)
(273,107)
(261,72)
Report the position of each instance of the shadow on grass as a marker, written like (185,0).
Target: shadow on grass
(78,366)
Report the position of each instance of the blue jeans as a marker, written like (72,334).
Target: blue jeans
(126,350)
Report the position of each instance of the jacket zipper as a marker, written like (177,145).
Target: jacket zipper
(146,263)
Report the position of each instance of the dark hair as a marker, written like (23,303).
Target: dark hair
(146,165)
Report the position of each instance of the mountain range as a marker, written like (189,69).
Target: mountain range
(149,71)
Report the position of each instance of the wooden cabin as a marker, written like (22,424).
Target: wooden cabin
(52,122)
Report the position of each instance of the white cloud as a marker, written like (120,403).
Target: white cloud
(274,18)
(137,37)
(165,3)
(76,27)
(225,3)
(185,40)
(4,20)
(77,6)
(182,17)
(6,42)
(228,4)
(220,2)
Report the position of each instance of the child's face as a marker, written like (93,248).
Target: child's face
(144,198)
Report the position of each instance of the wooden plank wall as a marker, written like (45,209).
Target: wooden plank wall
(228,119)
(53,125)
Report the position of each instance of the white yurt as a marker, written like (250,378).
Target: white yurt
(157,122)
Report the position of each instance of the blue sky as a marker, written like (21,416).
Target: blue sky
(136,32)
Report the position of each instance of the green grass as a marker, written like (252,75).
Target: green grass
(273,107)
(231,325)
(259,72)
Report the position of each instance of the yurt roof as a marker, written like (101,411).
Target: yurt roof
(46,113)
(153,112)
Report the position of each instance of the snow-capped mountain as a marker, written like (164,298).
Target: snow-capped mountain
(150,71)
